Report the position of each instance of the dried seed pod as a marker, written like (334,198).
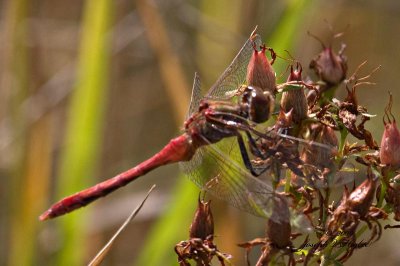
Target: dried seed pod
(353,207)
(203,224)
(361,198)
(390,143)
(200,247)
(278,235)
(295,99)
(329,66)
(260,72)
(278,226)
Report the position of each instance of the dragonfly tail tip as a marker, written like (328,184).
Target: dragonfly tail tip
(45,216)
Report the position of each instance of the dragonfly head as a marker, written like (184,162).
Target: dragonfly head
(257,104)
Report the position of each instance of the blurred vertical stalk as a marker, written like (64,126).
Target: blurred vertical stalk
(170,68)
(13,90)
(165,234)
(14,72)
(34,190)
(83,133)
(213,56)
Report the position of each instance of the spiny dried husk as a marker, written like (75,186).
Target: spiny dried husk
(358,202)
(295,99)
(351,115)
(361,198)
(260,72)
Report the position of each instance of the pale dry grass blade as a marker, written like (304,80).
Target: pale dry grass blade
(98,259)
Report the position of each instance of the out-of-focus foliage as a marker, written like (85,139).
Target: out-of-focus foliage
(85,122)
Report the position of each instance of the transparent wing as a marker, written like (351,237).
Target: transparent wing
(218,169)
(339,177)
(331,177)
(230,80)
(196,96)
(235,75)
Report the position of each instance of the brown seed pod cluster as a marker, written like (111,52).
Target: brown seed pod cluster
(278,235)
(200,247)
(307,155)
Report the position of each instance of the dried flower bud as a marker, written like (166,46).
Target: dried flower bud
(203,224)
(260,72)
(358,202)
(295,99)
(361,198)
(278,234)
(329,66)
(390,144)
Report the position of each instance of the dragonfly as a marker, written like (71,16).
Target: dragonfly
(212,151)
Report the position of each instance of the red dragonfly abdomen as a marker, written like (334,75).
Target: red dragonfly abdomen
(178,149)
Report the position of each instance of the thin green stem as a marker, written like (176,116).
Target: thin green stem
(343,136)
(358,234)
(287,183)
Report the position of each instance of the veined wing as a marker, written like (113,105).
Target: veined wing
(338,176)
(232,78)
(196,96)
(218,169)
(235,75)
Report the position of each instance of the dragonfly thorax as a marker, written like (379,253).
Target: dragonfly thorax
(257,104)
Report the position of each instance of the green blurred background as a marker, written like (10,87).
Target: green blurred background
(91,88)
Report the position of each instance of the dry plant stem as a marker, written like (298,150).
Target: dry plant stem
(326,203)
(98,259)
(382,191)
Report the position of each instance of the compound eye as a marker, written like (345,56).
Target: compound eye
(259,104)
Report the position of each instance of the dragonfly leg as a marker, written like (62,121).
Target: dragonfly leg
(246,158)
(254,148)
